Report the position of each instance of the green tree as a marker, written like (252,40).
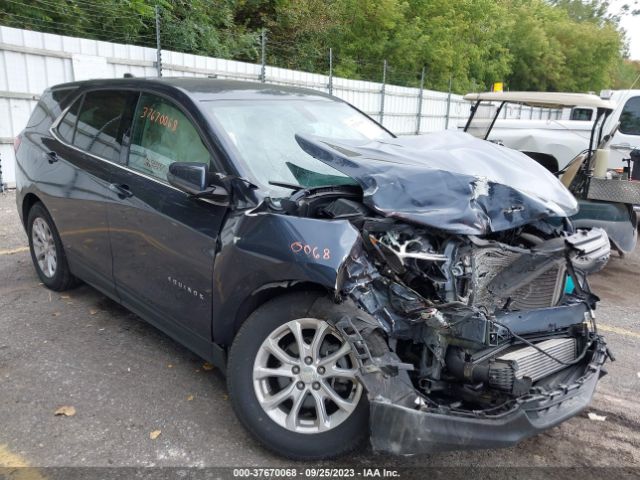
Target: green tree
(628,75)
(563,45)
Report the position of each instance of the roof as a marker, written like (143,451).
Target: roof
(544,99)
(204,88)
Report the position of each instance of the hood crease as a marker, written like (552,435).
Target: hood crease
(447,180)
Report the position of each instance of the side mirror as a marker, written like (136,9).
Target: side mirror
(196,180)
(190,177)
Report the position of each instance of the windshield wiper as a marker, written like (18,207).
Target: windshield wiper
(291,186)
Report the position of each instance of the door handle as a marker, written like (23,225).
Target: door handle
(52,157)
(621,146)
(121,190)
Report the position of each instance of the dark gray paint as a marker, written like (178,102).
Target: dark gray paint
(448,180)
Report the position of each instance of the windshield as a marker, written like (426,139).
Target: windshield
(482,120)
(263,132)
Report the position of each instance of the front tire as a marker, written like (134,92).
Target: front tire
(292,381)
(47,252)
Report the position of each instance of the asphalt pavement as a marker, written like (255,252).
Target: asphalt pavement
(125,380)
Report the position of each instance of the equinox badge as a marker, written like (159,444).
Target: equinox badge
(185,287)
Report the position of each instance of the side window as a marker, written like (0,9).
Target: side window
(68,123)
(630,117)
(98,129)
(581,114)
(162,135)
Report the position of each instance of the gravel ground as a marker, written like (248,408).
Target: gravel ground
(126,379)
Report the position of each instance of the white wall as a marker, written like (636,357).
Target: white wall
(32,61)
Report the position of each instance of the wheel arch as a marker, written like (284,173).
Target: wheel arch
(268,292)
(29,200)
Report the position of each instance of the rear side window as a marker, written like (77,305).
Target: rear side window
(68,123)
(630,117)
(162,135)
(99,126)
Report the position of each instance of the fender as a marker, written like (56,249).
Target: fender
(299,250)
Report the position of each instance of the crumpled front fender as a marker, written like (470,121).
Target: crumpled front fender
(298,250)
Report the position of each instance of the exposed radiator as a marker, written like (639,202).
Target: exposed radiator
(544,291)
(527,363)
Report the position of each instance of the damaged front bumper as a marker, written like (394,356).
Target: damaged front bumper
(401,430)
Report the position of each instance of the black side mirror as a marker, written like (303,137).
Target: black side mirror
(190,177)
(196,180)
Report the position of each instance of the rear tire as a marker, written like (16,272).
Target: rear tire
(47,252)
(308,424)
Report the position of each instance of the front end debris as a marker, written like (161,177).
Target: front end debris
(473,327)
(495,337)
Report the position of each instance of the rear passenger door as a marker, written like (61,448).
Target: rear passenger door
(163,241)
(83,159)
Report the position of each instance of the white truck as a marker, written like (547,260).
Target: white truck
(583,139)
(565,132)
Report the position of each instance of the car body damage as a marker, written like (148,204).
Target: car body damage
(300,250)
(432,287)
(449,180)
(467,303)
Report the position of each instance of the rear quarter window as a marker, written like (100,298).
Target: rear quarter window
(583,114)
(49,107)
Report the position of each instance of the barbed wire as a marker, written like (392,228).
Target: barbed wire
(55,26)
(87,6)
(280,53)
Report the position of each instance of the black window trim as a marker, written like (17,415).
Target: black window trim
(58,121)
(75,125)
(53,130)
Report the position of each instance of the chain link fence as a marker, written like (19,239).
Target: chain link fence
(33,61)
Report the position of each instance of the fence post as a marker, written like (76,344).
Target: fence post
(419,115)
(384,83)
(263,56)
(330,71)
(446,123)
(158,49)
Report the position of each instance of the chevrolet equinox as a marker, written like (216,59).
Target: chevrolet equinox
(426,293)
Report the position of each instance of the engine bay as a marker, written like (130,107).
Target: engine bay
(472,322)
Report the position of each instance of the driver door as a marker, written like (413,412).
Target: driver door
(627,136)
(163,241)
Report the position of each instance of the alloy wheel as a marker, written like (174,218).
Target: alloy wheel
(44,247)
(304,376)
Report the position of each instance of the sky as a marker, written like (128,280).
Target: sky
(631,25)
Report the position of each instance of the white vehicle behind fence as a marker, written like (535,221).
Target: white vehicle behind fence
(581,158)
(562,134)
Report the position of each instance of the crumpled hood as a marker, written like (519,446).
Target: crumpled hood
(447,180)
